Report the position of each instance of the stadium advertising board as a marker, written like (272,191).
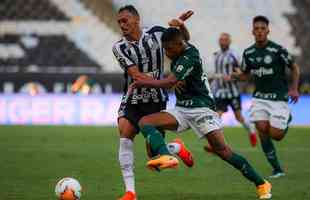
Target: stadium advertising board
(51,109)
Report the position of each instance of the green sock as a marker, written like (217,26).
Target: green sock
(245,168)
(155,139)
(290,118)
(270,153)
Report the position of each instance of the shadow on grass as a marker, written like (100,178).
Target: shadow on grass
(195,196)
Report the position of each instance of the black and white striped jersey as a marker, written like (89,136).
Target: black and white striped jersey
(225,62)
(147,54)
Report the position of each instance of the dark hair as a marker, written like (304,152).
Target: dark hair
(171,34)
(261,18)
(129,8)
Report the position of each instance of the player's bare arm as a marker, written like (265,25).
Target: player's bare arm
(78,83)
(240,75)
(137,75)
(169,82)
(293,92)
(179,23)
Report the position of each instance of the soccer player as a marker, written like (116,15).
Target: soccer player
(195,108)
(225,90)
(266,61)
(141,56)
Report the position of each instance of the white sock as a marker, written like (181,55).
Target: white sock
(250,127)
(173,148)
(126,160)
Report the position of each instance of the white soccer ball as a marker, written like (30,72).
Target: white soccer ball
(68,189)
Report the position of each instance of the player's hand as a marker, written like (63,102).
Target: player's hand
(176,23)
(130,89)
(180,86)
(77,85)
(184,16)
(227,78)
(237,70)
(294,95)
(181,19)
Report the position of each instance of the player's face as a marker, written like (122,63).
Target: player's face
(224,41)
(128,23)
(260,31)
(173,49)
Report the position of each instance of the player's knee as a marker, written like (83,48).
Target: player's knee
(143,121)
(126,130)
(223,152)
(277,134)
(239,119)
(262,127)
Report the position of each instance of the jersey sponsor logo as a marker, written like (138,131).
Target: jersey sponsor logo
(185,103)
(268,59)
(262,71)
(146,96)
(265,95)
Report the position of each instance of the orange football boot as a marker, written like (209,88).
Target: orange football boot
(184,153)
(129,196)
(163,162)
(264,191)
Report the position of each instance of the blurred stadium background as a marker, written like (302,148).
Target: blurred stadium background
(46,44)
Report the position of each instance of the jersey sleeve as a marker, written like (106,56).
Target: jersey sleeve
(157,30)
(286,58)
(182,69)
(245,67)
(122,57)
(235,59)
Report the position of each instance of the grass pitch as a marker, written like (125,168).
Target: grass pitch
(33,158)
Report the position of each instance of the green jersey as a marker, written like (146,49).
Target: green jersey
(188,67)
(268,65)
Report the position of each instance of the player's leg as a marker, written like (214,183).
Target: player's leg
(149,109)
(206,123)
(217,141)
(247,126)
(279,120)
(129,116)
(126,156)
(268,147)
(235,104)
(221,108)
(149,126)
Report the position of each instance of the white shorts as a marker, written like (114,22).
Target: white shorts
(201,120)
(276,112)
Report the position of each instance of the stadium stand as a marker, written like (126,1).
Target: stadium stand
(54,36)
(33,54)
(301,28)
(30,10)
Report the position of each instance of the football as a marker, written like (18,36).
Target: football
(68,189)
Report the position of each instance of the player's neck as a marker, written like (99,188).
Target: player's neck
(224,49)
(135,36)
(261,44)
